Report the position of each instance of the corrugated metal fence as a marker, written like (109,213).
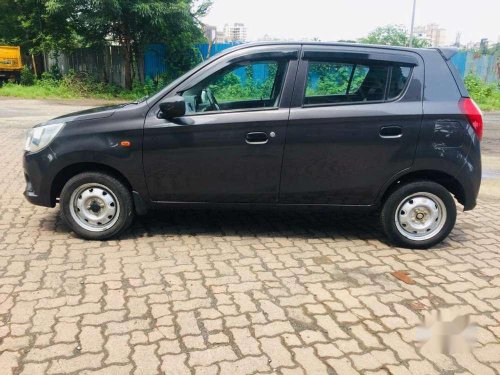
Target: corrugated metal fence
(155,60)
(155,56)
(106,64)
(487,67)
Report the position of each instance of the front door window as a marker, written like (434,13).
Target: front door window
(248,85)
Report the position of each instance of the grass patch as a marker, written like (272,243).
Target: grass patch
(74,86)
(43,90)
(38,91)
(490,104)
(487,96)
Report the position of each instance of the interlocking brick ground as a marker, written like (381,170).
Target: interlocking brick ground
(231,292)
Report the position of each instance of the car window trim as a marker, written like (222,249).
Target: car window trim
(388,81)
(342,104)
(288,55)
(351,77)
(233,111)
(358,57)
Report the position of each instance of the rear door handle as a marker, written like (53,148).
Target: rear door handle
(256,138)
(391,132)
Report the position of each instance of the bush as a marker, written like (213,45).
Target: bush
(150,86)
(82,82)
(72,85)
(487,96)
(478,89)
(27,76)
(54,73)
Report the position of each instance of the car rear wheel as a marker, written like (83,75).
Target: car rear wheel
(96,206)
(418,215)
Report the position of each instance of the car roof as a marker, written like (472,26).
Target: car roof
(447,52)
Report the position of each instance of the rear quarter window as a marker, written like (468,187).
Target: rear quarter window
(399,79)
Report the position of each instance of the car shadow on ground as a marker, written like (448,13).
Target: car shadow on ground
(301,224)
(260,223)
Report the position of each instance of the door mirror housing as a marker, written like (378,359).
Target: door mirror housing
(172,107)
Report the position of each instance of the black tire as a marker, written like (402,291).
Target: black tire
(404,194)
(124,215)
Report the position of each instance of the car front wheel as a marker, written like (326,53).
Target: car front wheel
(96,206)
(419,215)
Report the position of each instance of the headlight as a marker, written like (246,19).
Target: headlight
(40,137)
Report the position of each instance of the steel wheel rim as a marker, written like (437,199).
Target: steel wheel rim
(94,207)
(420,216)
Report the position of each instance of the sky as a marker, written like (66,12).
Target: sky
(331,20)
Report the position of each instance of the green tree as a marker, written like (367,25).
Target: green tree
(37,25)
(63,25)
(393,35)
(10,28)
(494,49)
(134,23)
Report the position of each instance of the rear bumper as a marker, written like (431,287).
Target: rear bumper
(470,177)
(471,189)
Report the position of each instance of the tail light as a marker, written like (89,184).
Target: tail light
(473,113)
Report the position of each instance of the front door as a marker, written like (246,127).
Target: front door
(354,124)
(229,145)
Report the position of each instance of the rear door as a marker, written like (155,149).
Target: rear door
(354,124)
(229,145)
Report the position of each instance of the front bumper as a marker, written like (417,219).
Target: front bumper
(31,195)
(38,177)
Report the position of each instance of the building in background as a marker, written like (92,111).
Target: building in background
(221,38)
(213,35)
(236,32)
(210,32)
(433,33)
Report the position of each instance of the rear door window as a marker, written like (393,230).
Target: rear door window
(343,82)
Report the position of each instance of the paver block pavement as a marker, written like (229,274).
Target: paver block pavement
(233,292)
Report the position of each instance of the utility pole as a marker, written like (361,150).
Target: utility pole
(412,22)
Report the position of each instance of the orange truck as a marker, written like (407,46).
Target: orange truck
(10,63)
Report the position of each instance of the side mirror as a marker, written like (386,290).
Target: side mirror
(172,107)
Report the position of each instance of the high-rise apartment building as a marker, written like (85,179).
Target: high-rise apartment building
(236,32)
(433,33)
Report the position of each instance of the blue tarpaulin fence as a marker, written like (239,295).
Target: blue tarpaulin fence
(155,56)
(215,49)
(155,60)
(484,66)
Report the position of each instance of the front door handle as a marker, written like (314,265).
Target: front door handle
(256,138)
(391,132)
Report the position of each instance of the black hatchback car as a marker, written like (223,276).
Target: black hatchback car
(275,124)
